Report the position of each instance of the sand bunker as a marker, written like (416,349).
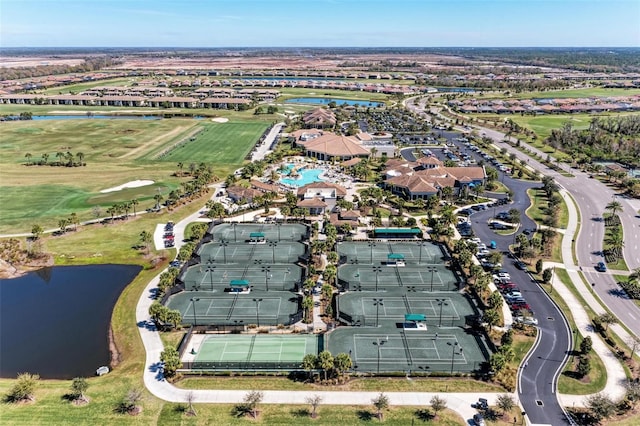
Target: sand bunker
(132,184)
(220,119)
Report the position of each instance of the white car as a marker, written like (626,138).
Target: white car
(526,320)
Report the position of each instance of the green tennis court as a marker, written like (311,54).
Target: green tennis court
(241,232)
(377,252)
(380,278)
(217,278)
(260,308)
(374,350)
(270,252)
(369,309)
(256,348)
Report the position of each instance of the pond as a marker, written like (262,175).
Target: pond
(326,101)
(55,321)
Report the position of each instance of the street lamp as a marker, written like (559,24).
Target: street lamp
(431,269)
(453,352)
(273,245)
(420,245)
(224,245)
(195,317)
(377,270)
(278,225)
(441,302)
(371,246)
(235,236)
(266,270)
(377,303)
(257,310)
(210,270)
(379,343)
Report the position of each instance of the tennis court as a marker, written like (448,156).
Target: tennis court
(255,351)
(217,278)
(380,278)
(374,350)
(445,310)
(260,308)
(377,252)
(270,252)
(241,232)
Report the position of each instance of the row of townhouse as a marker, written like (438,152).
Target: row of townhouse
(125,101)
(548,106)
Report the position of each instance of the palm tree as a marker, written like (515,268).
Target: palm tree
(614,207)
(45,158)
(28,156)
(80,157)
(616,241)
(134,203)
(307,305)
(635,275)
(325,362)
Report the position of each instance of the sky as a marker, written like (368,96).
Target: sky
(319,23)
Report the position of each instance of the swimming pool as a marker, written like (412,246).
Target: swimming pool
(305,177)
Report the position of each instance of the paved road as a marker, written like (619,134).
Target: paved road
(546,360)
(592,196)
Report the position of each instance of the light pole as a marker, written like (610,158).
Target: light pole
(371,246)
(224,245)
(420,245)
(379,343)
(210,269)
(195,317)
(257,310)
(377,270)
(278,225)
(266,270)
(235,236)
(453,352)
(377,303)
(273,245)
(441,302)
(431,269)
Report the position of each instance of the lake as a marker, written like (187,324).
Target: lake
(55,321)
(326,101)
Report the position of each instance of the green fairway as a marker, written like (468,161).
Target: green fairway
(221,143)
(114,152)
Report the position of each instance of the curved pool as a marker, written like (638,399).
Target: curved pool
(305,176)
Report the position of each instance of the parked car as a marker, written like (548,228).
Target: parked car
(526,320)
(521,265)
(478,420)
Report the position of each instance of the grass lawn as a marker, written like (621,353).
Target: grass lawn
(391,384)
(115,152)
(329,415)
(217,143)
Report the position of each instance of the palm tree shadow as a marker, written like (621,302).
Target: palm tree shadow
(365,415)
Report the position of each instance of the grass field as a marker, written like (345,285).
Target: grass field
(568,93)
(115,152)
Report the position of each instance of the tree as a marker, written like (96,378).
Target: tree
(309,363)
(171,359)
(607,319)
(314,401)
(381,402)
(134,203)
(491,317)
(586,345)
(505,403)
(36,231)
(252,399)
(191,397)
(145,240)
(547,274)
(437,404)
(497,362)
(614,207)
(600,405)
(539,266)
(584,366)
(495,300)
(78,387)
(307,305)
(129,403)
(342,363)
(24,388)
(325,362)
